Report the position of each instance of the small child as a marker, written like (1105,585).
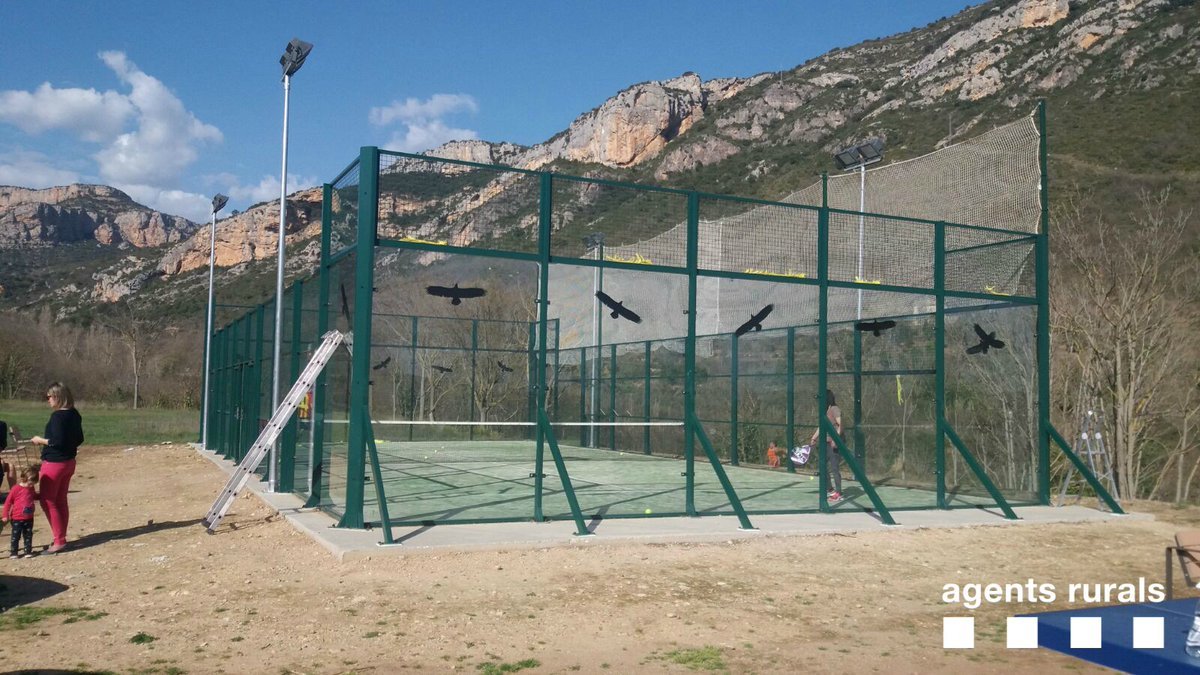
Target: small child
(18,508)
(773,456)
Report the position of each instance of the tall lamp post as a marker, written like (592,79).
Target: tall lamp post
(857,158)
(218,203)
(293,58)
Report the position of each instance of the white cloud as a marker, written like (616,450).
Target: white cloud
(33,170)
(96,117)
(195,207)
(146,161)
(164,143)
(265,190)
(424,127)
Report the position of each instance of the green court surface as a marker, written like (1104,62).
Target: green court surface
(460,481)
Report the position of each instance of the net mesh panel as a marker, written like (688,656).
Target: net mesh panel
(628,221)
(457,204)
(988,262)
(310,338)
(434,361)
(991,401)
(344,211)
(990,180)
(335,439)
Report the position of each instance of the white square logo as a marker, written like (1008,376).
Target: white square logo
(1022,632)
(1085,632)
(958,632)
(1147,632)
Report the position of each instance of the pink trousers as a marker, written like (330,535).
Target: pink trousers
(52,488)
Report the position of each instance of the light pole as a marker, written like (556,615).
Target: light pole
(218,203)
(293,57)
(856,159)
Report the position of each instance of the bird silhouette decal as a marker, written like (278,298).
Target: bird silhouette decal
(504,367)
(345,302)
(456,294)
(443,369)
(876,328)
(986,341)
(755,322)
(619,310)
(382,364)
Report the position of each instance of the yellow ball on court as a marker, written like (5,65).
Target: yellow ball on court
(811,478)
(649,511)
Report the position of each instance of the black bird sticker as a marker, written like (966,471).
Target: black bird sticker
(618,308)
(345,302)
(456,294)
(874,327)
(443,369)
(504,367)
(755,322)
(986,341)
(382,364)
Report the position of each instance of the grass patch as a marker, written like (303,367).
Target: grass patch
(704,658)
(110,425)
(142,639)
(20,618)
(498,668)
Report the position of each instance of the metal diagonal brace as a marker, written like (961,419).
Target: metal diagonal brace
(979,472)
(884,514)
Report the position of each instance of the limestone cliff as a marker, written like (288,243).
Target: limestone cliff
(80,213)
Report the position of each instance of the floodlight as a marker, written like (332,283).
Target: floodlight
(293,56)
(219,202)
(593,241)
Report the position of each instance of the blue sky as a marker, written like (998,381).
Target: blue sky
(175,101)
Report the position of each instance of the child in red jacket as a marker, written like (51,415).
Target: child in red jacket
(18,509)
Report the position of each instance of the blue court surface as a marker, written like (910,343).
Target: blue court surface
(1117,650)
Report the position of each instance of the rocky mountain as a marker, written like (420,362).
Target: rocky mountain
(1121,77)
(74,213)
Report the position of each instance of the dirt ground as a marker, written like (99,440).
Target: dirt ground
(144,589)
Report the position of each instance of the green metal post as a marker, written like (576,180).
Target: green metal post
(691,424)
(316,460)
(545,215)
(860,475)
(412,377)
(569,491)
(977,469)
(791,397)
(360,359)
(722,478)
(286,472)
(474,352)
(583,395)
(1043,314)
(822,342)
(557,347)
(612,397)
(733,400)
(646,401)
(530,401)
(385,521)
(253,420)
(860,446)
(939,359)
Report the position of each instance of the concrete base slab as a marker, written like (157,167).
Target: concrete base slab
(348,544)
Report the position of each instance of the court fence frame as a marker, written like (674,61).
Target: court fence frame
(353,239)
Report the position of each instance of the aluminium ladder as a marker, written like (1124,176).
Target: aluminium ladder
(274,428)
(1090,447)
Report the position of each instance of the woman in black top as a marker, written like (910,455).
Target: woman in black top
(64,435)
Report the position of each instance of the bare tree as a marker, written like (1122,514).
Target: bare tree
(1124,306)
